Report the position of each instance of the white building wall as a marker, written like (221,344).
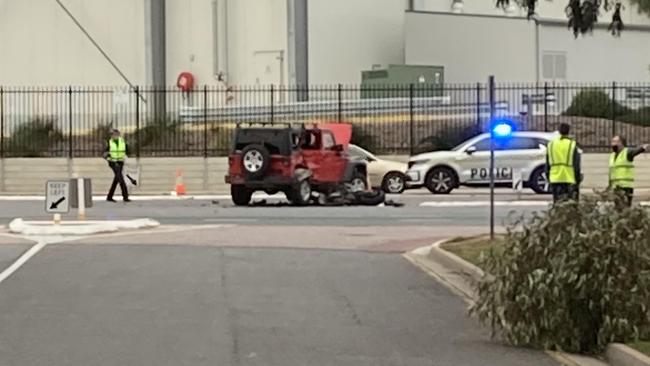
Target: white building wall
(256,38)
(473,47)
(553,9)
(348,36)
(40,45)
(601,57)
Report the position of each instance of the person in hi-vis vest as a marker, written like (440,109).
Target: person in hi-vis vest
(563,166)
(621,167)
(115,154)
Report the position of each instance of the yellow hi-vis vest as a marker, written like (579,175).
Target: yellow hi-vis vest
(621,171)
(560,158)
(117,149)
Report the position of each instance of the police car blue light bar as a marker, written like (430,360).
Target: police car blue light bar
(502,129)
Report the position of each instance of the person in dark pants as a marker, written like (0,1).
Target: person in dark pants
(621,168)
(116,152)
(563,166)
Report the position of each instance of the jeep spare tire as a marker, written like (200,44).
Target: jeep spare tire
(255,160)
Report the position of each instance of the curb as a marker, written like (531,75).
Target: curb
(19,226)
(462,275)
(621,355)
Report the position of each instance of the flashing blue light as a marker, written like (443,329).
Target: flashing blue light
(502,129)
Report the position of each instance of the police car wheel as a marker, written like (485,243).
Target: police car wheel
(539,181)
(441,181)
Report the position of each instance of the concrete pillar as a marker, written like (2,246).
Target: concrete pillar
(156,57)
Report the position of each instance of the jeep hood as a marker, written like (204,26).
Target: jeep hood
(342,132)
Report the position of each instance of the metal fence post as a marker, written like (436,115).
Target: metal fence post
(272,102)
(137,121)
(492,94)
(70,153)
(613,108)
(411,119)
(2,122)
(546,106)
(478,107)
(205,121)
(340,98)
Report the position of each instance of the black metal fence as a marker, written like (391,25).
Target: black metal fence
(392,119)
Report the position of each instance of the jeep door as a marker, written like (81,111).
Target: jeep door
(334,160)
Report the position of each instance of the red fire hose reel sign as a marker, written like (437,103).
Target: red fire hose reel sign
(185,81)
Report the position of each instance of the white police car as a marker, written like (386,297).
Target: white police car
(523,155)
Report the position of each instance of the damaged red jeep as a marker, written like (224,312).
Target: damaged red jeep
(295,160)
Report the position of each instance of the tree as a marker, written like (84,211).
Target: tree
(583,14)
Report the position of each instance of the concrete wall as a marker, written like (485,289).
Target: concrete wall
(28,176)
(473,47)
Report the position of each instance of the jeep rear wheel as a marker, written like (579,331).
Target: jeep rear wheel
(441,180)
(241,196)
(255,160)
(357,183)
(301,193)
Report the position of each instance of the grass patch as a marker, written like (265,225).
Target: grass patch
(641,346)
(470,249)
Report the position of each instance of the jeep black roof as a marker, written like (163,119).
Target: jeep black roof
(277,138)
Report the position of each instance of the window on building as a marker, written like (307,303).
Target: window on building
(554,65)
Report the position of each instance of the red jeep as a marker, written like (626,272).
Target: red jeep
(295,160)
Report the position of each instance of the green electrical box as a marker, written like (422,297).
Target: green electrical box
(394,81)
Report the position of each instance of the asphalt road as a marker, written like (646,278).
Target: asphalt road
(470,210)
(134,304)
(263,285)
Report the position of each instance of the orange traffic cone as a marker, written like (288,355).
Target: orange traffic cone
(180,186)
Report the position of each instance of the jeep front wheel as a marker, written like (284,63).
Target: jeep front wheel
(441,180)
(357,183)
(241,196)
(301,193)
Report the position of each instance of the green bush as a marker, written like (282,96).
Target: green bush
(639,117)
(447,139)
(34,138)
(575,278)
(157,134)
(595,103)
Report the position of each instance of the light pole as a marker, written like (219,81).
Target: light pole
(491,88)
(500,131)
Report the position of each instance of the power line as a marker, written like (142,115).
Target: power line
(99,48)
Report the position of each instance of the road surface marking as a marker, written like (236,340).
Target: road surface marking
(484,203)
(231,220)
(22,260)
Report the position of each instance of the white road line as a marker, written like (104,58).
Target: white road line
(231,220)
(484,203)
(22,260)
(150,198)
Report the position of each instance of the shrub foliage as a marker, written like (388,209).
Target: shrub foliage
(574,278)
